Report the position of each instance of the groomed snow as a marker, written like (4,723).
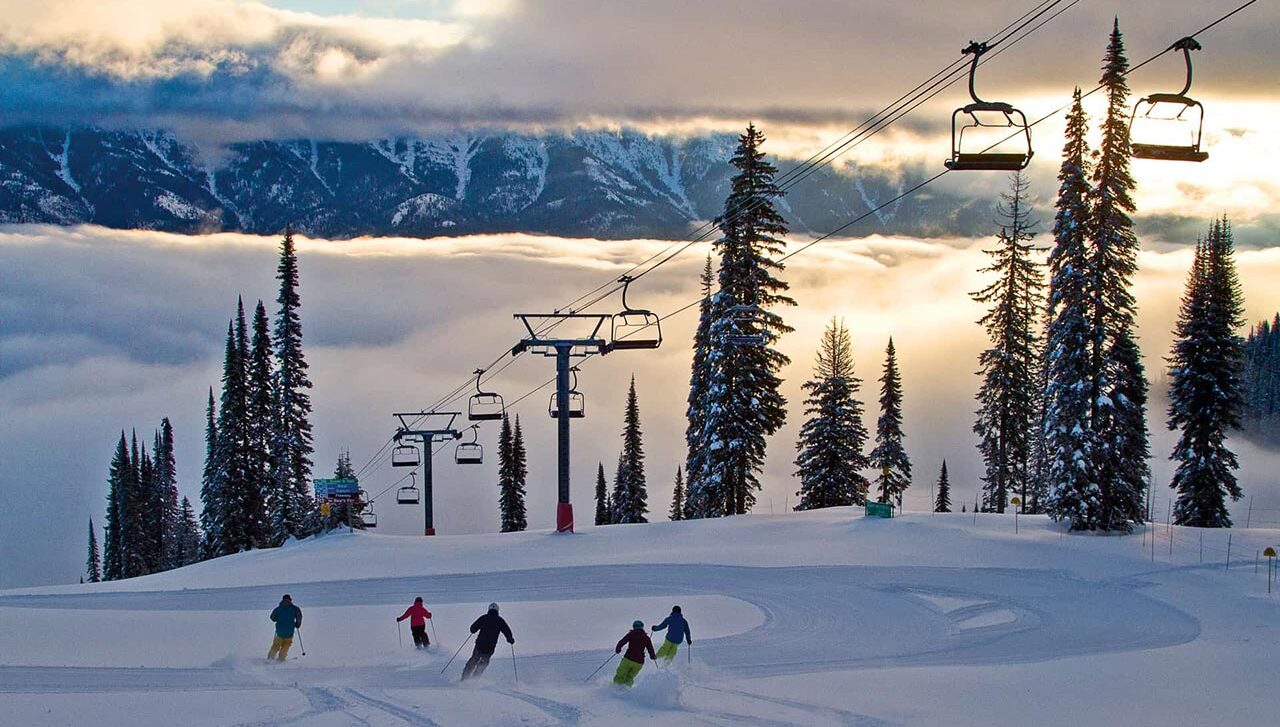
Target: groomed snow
(816,618)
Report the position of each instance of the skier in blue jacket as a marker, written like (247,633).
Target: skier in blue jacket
(677,630)
(287,618)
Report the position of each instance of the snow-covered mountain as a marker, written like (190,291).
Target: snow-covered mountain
(606,184)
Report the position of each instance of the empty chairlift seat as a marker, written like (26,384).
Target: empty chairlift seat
(408,495)
(469,452)
(484,405)
(577,402)
(992,136)
(634,328)
(405,455)
(1168,126)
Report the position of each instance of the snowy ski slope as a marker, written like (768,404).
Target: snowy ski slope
(816,618)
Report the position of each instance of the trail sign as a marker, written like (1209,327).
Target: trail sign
(325,509)
(343,490)
(1270,552)
(1015,501)
(879,509)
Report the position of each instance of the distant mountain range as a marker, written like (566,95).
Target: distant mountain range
(604,184)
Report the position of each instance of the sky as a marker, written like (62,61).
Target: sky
(103,330)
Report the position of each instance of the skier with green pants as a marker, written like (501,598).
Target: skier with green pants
(677,630)
(637,643)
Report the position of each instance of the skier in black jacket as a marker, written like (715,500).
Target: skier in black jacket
(487,628)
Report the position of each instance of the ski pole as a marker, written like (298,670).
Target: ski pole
(400,633)
(597,671)
(300,644)
(455,654)
(688,654)
(433,631)
(514,671)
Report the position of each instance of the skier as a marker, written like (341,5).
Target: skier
(287,617)
(488,627)
(417,615)
(637,643)
(677,629)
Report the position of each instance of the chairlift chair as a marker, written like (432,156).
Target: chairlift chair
(484,405)
(469,452)
(405,455)
(987,115)
(368,518)
(750,315)
(408,495)
(634,328)
(577,402)
(1165,128)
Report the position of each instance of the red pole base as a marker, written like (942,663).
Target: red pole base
(429,531)
(564,517)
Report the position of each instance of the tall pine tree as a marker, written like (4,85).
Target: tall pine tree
(1205,387)
(211,504)
(696,409)
(743,404)
(630,493)
(166,474)
(889,458)
(260,420)
(187,545)
(604,513)
(506,480)
(942,500)
(677,498)
(291,507)
(518,517)
(113,540)
(135,540)
(1119,385)
(833,437)
(1073,493)
(93,564)
(1008,397)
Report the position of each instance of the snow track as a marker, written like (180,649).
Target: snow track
(816,618)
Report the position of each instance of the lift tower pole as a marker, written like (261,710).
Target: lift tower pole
(429,436)
(563,349)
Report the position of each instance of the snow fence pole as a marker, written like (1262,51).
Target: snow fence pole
(597,671)
(455,654)
(1228,551)
(515,672)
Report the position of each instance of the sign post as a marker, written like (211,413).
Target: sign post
(1017,503)
(1270,552)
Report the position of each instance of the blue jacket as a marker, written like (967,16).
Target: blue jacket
(287,617)
(676,627)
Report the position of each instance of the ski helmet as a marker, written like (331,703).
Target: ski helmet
(637,624)
(493,607)
(418,599)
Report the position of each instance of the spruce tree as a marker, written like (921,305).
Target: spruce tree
(260,424)
(630,492)
(113,541)
(506,481)
(236,521)
(1119,386)
(677,498)
(291,508)
(889,458)
(1205,386)
(518,519)
(942,501)
(166,474)
(833,437)
(93,564)
(743,404)
(696,410)
(135,543)
(212,509)
(187,545)
(1007,398)
(604,513)
(1073,492)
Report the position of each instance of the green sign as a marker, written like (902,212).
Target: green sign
(879,509)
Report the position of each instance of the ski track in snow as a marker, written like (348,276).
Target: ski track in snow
(817,619)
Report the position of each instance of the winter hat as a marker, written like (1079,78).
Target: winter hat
(493,607)
(418,599)
(637,624)
(285,597)
(675,609)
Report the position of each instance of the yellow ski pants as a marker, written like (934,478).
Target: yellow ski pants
(279,647)
(667,651)
(627,671)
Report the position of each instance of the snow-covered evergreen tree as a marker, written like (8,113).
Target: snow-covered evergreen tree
(291,509)
(630,492)
(93,563)
(942,500)
(1073,492)
(604,512)
(187,545)
(1119,391)
(136,541)
(166,475)
(889,458)
(696,410)
(117,482)
(1205,387)
(236,517)
(512,474)
(212,509)
(1007,398)
(743,404)
(831,460)
(677,498)
(260,412)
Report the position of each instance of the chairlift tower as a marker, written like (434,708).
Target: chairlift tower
(440,429)
(564,350)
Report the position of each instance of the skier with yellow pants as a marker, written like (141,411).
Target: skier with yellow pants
(287,617)
(677,630)
(637,643)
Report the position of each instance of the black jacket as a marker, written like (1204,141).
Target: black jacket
(489,626)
